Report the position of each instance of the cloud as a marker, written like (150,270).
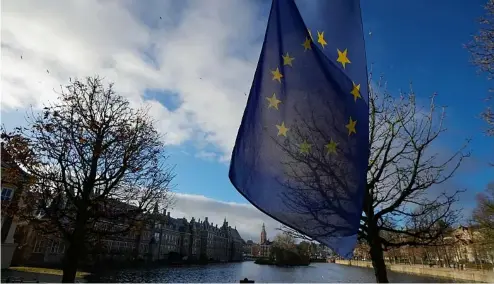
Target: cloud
(204,52)
(209,156)
(245,217)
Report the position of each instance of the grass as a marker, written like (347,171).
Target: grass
(79,274)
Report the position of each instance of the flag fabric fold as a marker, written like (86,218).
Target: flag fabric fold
(302,149)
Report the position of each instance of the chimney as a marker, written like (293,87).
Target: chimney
(168,214)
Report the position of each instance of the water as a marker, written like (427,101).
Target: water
(233,272)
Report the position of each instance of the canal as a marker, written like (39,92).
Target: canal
(233,272)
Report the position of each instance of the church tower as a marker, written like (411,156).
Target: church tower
(263,234)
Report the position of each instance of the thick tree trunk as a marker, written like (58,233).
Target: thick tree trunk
(137,243)
(71,261)
(74,252)
(377,256)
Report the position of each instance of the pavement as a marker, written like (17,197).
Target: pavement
(31,277)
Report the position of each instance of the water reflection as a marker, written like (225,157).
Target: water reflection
(233,272)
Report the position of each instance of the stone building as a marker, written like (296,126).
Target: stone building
(161,237)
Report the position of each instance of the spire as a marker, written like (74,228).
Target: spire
(263,234)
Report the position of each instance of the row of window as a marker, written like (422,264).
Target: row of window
(53,246)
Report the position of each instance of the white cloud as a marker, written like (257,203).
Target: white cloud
(203,50)
(209,156)
(245,217)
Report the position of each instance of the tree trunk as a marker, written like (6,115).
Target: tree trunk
(74,252)
(377,256)
(71,261)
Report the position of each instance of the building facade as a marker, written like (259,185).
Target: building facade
(13,179)
(461,245)
(160,238)
(263,249)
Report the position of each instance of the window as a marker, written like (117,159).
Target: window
(39,246)
(109,244)
(54,246)
(6,193)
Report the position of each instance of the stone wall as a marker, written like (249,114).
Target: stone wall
(469,275)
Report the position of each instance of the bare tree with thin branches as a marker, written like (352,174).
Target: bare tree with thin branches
(97,167)
(483,215)
(401,207)
(482,50)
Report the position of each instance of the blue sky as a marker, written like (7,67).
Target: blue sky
(408,43)
(193,66)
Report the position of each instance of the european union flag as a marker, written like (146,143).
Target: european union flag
(302,149)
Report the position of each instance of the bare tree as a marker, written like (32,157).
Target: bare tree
(483,214)
(97,167)
(482,50)
(403,205)
(284,241)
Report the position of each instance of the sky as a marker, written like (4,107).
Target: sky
(192,62)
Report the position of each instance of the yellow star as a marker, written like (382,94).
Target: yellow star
(287,60)
(277,75)
(331,147)
(282,130)
(306,44)
(273,101)
(356,91)
(342,57)
(310,34)
(305,147)
(351,126)
(320,39)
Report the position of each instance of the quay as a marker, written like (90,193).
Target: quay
(470,275)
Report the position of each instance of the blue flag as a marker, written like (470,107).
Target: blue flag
(302,148)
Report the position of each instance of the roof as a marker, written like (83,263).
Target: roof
(234,233)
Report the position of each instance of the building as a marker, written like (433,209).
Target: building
(460,245)
(263,249)
(161,237)
(248,247)
(265,243)
(13,181)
